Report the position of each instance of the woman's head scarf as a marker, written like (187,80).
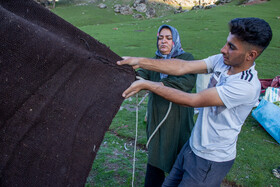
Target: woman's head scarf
(176,48)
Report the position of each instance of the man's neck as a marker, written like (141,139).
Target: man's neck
(234,70)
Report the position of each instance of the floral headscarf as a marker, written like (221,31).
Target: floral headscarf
(176,48)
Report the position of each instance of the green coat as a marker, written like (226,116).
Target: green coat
(176,130)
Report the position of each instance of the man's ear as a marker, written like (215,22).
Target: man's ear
(252,55)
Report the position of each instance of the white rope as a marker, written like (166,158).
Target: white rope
(136,129)
(159,125)
(135,142)
(136,132)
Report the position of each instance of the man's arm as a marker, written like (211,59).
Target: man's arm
(208,97)
(170,66)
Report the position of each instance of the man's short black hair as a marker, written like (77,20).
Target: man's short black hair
(255,31)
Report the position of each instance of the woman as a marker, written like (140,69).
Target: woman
(176,129)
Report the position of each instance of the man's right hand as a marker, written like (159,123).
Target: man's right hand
(132,61)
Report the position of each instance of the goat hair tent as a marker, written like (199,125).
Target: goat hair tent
(59,91)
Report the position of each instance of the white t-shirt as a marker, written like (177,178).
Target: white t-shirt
(215,133)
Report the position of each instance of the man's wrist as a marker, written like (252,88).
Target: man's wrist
(144,63)
(152,86)
(141,61)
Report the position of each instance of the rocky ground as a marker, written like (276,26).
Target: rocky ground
(251,2)
(145,9)
(141,9)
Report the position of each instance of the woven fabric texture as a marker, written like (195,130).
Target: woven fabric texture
(59,91)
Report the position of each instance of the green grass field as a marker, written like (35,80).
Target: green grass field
(202,33)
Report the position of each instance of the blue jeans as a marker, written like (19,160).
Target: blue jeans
(193,171)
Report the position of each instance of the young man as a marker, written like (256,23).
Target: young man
(233,91)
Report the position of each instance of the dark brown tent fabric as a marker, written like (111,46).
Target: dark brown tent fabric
(59,91)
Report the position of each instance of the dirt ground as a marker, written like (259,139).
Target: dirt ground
(226,183)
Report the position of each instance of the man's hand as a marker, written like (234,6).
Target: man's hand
(132,61)
(134,88)
(139,85)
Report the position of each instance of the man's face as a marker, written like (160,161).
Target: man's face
(234,51)
(165,42)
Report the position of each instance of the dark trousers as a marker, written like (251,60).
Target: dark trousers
(154,176)
(192,170)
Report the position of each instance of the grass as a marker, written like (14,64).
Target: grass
(256,157)
(203,33)
(113,165)
(89,14)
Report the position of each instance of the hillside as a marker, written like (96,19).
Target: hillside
(203,33)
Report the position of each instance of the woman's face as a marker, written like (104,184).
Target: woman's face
(165,42)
